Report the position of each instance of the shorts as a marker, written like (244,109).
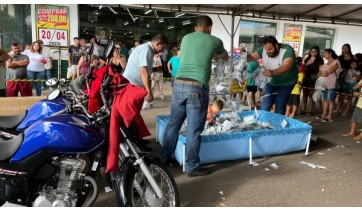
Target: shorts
(251,88)
(157,76)
(294,100)
(357,115)
(71,70)
(329,95)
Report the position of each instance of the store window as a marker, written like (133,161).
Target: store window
(316,36)
(253,33)
(15,25)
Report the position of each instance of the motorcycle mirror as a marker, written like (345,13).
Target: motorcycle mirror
(62,81)
(110,48)
(54,94)
(51,82)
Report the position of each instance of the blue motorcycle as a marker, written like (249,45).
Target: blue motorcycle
(55,160)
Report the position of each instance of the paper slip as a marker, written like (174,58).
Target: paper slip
(249,119)
(284,123)
(227,125)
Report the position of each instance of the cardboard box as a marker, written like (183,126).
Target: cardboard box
(15,105)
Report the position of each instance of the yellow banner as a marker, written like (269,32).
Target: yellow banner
(293,35)
(52,24)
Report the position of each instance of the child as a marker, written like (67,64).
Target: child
(96,62)
(357,114)
(250,85)
(353,75)
(213,109)
(294,98)
(173,65)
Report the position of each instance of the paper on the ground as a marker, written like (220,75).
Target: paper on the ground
(107,189)
(274,166)
(254,163)
(313,165)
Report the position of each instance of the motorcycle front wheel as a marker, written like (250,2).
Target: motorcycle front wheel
(141,194)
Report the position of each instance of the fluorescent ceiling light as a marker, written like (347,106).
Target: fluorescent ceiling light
(100,7)
(160,20)
(186,22)
(111,9)
(170,27)
(178,14)
(148,11)
(148,25)
(125,23)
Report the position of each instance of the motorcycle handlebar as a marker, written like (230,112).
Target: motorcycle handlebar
(78,106)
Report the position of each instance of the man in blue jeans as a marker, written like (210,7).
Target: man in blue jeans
(191,94)
(279,63)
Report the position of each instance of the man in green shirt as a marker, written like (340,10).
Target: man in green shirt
(190,96)
(279,63)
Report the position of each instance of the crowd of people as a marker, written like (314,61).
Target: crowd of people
(319,78)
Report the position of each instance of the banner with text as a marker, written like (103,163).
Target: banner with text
(52,25)
(293,35)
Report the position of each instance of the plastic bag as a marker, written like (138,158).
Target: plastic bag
(320,84)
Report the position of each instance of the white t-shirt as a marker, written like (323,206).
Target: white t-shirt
(34,61)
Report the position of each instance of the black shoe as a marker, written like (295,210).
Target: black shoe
(302,112)
(199,172)
(143,144)
(169,162)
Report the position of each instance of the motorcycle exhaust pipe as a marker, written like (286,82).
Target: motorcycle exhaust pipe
(95,191)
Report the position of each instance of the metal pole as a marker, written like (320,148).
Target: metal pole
(232,34)
(59,65)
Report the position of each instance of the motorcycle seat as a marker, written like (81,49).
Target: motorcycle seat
(9,147)
(12,121)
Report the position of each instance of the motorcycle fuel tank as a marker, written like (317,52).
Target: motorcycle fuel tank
(66,134)
(42,109)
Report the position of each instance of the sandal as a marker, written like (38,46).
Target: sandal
(326,120)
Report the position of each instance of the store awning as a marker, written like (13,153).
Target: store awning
(343,14)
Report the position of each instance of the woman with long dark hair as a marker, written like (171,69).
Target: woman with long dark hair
(311,63)
(345,59)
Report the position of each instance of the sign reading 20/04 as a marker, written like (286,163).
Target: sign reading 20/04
(53,37)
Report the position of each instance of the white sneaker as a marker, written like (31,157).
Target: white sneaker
(146,105)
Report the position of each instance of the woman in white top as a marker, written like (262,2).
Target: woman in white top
(36,70)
